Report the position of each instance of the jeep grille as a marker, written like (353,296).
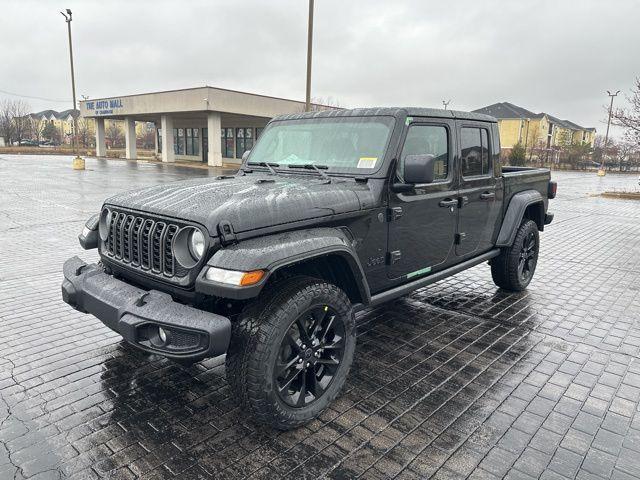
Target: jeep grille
(143,243)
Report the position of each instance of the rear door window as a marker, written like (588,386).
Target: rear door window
(475,159)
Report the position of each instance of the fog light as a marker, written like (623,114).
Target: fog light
(162,334)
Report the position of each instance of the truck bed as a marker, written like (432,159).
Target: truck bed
(518,179)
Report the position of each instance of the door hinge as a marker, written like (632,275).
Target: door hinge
(394,257)
(394,213)
(462,201)
(460,237)
(227,235)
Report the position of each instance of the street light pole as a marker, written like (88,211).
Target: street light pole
(602,172)
(309,49)
(446,104)
(78,163)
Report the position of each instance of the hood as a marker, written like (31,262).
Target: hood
(248,202)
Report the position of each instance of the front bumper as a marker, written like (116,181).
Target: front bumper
(137,314)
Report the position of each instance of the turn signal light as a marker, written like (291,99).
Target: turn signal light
(251,278)
(234,277)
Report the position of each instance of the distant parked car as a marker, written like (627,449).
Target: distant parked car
(28,143)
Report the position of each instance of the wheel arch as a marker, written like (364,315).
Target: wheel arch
(326,253)
(527,204)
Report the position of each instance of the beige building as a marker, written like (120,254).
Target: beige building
(536,130)
(204,124)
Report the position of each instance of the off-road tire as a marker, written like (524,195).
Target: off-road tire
(255,341)
(504,268)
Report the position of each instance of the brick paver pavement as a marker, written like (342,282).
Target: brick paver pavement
(456,380)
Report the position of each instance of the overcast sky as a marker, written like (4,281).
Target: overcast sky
(554,56)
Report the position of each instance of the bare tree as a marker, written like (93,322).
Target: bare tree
(6,121)
(21,120)
(36,127)
(84,132)
(15,122)
(321,103)
(629,118)
(114,135)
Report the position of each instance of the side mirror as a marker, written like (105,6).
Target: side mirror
(419,168)
(245,155)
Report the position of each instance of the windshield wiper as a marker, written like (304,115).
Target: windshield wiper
(313,166)
(269,165)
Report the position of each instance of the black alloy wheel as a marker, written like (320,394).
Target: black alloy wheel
(528,257)
(310,355)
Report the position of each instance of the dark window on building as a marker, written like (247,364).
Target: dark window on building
(227,142)
(427,140)
(196,142)
(244,141)
(159,140)
(178,141)
(259,132)
(248,139)
(192,147)
(475,152)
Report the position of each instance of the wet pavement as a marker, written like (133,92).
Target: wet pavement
(456,380)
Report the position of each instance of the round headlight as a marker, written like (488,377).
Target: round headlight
(104,224)
(196,244)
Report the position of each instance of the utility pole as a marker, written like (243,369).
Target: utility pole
(602,171)
(446,104)
(78,163)
(309,49)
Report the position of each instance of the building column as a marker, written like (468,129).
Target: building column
(101,146)
(214,125)
(166,123)
(155,139)
(130,138)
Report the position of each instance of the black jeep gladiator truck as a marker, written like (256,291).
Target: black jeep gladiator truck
(330,212)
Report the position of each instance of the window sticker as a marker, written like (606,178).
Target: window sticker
(367,162)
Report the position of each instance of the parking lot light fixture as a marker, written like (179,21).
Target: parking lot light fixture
(78,162)
(603,171)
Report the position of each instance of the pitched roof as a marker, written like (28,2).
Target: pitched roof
(48,114)
(504,110)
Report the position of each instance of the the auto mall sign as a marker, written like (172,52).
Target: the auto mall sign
(104,107)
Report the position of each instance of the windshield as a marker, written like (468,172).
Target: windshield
(351,143)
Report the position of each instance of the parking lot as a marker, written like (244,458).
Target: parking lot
(459,379)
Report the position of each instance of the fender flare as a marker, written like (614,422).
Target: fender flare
(273,252)
(514,214)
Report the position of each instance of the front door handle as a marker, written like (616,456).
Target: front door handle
(448,202)
(487,196)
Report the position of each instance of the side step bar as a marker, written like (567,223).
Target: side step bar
(428,280)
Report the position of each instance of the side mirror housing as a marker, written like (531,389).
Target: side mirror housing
(419,168)
(245,155)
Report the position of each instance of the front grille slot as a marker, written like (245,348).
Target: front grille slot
(142,243)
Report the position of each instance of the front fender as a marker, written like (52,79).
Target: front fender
(273,252)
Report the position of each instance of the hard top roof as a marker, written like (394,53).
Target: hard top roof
(391,111)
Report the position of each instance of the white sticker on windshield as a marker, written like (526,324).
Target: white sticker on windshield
(367,162)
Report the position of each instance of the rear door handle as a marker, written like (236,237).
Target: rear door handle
(448,202)
(487,195)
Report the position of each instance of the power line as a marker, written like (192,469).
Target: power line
(33,97)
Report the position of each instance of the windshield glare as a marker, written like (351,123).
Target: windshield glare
(351,143)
